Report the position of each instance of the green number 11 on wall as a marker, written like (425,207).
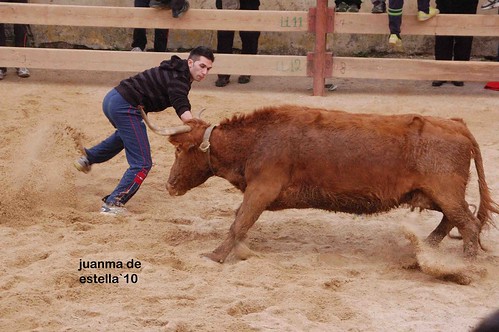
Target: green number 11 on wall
(291,22)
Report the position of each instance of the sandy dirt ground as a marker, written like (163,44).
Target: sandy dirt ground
(315,270)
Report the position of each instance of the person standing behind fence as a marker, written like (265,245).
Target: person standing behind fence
(225,39)
(160,35)
(20,40)
(457,48)
(425,12)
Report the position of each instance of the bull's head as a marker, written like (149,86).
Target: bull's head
(191,167)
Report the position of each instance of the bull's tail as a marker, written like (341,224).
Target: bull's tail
(487,205)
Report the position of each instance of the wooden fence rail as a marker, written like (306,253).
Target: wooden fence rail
(319,21)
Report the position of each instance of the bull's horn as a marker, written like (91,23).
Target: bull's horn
(164,131)
(198,114)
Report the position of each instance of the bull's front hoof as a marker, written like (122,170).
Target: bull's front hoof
(243,252)
(214,257)
(433,240)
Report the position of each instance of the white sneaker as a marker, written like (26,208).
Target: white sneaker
(136,49)
(2,74)
(113,210)
(82,164)
(23,72)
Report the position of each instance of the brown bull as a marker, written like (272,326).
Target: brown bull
(297,157)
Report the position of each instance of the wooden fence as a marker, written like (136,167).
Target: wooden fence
(318,64)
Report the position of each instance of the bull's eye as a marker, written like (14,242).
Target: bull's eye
(177,150)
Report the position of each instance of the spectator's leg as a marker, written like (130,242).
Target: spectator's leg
(160,40)
(463,44)
(225,42)
(249,40)
(139,34)
(462,48)
(424,6)
(444,46)
(3,42)
(20,35)
(395,15)
(445,6)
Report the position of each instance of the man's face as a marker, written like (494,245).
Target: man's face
(199,68)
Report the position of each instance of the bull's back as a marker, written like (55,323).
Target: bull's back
(360,163)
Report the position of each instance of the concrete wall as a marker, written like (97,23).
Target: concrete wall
(270,42)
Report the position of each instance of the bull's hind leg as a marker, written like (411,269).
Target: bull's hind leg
(256,199)
(467,224)
(440,232)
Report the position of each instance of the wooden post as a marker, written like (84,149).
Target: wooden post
(320,47)
(318,58)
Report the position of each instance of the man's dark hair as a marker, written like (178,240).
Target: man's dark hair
(489,323)
(200,51)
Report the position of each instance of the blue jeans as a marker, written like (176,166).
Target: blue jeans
(130,135)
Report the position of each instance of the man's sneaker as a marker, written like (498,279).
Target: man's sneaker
(341,8)
(162,4)
(177,13)
(379,7)
(395,40)
(23,72)
(2,74)
(82,164)
(353,9)
(331,87)
(490,4)
(136,49)
(113,210)
(422,16)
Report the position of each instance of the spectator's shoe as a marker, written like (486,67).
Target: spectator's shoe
(160,4)
(490,4)
(458,83)
(379,7)
(181,11)
(113,209)
(243,79)
(330,87)
(353,9)
(2,74)
(136,49)
(395,40)
(222,80)
(422,16)
(22,72)
(438,83)
(341,8)
(82,164)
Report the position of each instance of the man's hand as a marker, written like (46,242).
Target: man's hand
(187,115)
